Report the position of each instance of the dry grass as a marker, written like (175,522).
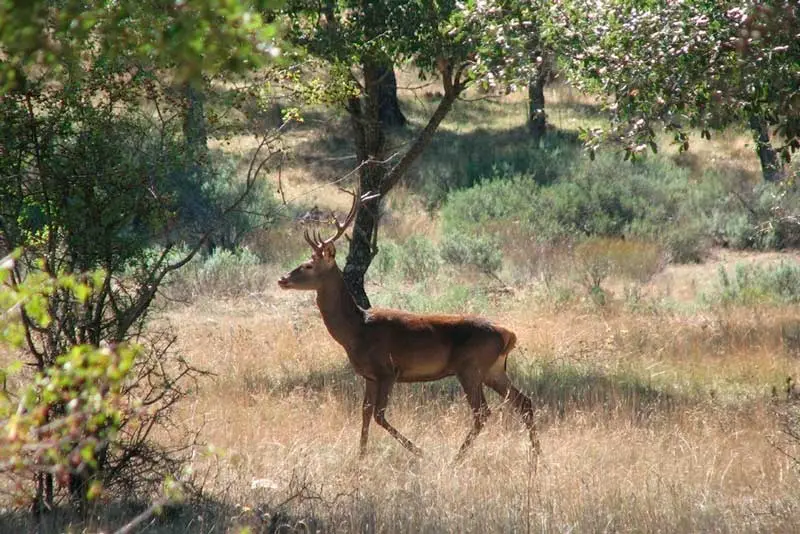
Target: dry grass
(649,423)
(657,419)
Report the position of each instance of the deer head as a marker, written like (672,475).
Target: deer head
(311,275)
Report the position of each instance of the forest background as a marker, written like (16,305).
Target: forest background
(611,180)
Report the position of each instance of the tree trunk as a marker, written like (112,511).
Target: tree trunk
(771,167)
(370,144)
(194,121)
(363,244)
(389,110)
(370,141)
(537,120)
(196,137)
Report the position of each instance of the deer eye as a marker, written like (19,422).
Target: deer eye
(306,266)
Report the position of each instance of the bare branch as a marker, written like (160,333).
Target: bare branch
(151,510)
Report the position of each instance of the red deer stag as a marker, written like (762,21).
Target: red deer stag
(388,346)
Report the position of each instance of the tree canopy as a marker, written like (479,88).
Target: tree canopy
(685,65)
(191,37)
(460,44)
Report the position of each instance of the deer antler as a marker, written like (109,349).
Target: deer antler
(317,243)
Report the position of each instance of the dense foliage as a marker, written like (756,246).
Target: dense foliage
(650,199)
(64,419)
(686,65)
(99,173)
(195,38)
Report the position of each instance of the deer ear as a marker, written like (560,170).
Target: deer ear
(329,251)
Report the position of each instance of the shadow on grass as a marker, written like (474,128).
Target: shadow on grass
(197,515)
(200,514)
(454,160)
(580,110)
(460,160)
(473,144)
(559,390)
(339,381)
(342,383)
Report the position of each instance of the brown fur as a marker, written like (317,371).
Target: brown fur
(389,346)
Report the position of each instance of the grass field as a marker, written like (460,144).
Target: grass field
(660,413)
(660,421)
(662,408)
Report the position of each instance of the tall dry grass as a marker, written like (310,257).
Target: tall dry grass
(656,418)
(660,422)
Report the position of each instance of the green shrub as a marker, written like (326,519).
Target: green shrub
(418,259)
(460,162)
(423,298)
(651,200)
(221,261)
(221,273)
(686,243)
(203,195)
(385,262)
(480,252)
(764,217)
(754,284)
(609,198)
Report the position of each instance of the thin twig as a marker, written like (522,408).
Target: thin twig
(144,516)
(343,178)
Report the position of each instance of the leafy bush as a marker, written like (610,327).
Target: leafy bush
(415,260)
(754,284)
(455,163)
(647,200)
(418,259)
(385,262)
(222,273)
(601,198)
(89,183)
(202,196)
(480,252)
(686,243)
(69,414)
(422,298)
(764,217)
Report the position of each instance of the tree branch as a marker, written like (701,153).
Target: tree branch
(420,143)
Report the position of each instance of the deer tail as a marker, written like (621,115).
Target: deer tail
(509,342)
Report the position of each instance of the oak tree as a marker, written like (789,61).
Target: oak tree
(457,43)
(687,65)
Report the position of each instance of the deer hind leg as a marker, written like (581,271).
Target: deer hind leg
(367,411)
(473,388)
(384,388)
(500,382)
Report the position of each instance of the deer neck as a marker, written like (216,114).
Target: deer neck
(340,313)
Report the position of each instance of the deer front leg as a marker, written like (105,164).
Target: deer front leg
(384,389)
(367,410)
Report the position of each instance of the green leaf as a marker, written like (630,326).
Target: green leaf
(82,292)
(87,454)
(95,490)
